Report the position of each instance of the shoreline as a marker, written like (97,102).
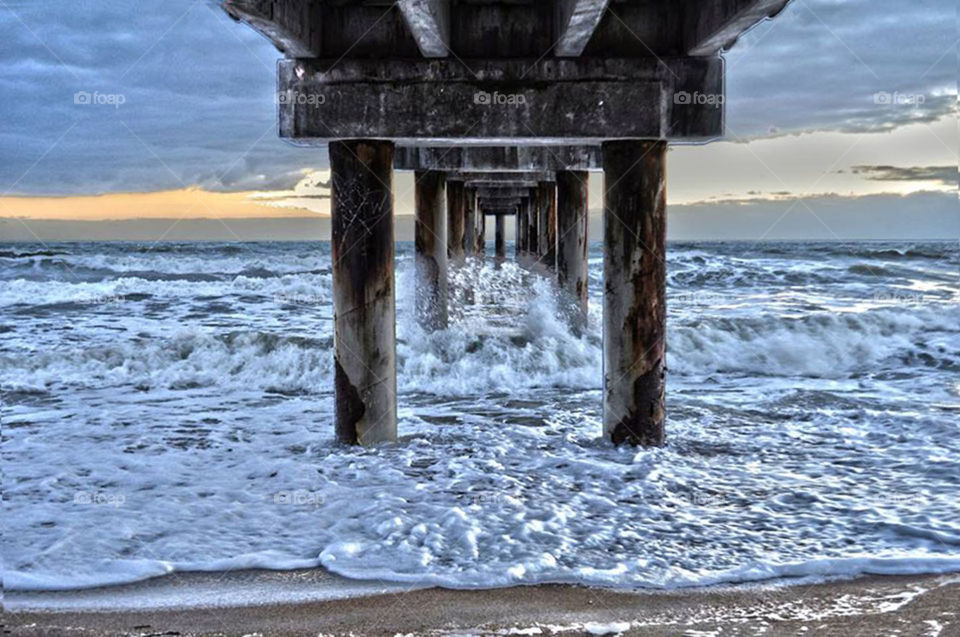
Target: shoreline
(905,605)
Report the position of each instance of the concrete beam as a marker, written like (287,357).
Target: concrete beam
(715,25)
(501,192)
(500,202)
(429,22)
(576,22)
(512,159)
(497,178)
(505,183)
(289,25)
(582,101)
(505,29)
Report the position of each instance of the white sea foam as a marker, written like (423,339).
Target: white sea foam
(187,425)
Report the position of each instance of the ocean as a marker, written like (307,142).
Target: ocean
(169,407)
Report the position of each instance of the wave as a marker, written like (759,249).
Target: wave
(539,351)
(531,572)
(824,344)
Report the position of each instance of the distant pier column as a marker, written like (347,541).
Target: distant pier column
(547,224)
(520,230)
(572,242)
(482,234)
(500,242)
(531,231)
(634,297)
(430,230)
(456,220)
(470,231)
(364,309)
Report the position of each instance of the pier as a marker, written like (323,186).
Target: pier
(501,108)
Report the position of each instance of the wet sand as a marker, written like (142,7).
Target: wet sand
(873,606)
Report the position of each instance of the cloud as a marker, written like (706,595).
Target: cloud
(198,89)
(917,216)
(945,175)
(850,65)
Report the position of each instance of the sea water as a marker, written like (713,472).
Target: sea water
(169,407)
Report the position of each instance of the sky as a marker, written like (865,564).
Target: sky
(841,124)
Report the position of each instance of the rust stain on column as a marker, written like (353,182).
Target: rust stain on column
(572,242)
(430,230)
(363,291)
(634,296)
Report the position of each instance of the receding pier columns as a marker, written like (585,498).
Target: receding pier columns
(364,309)
(456,220)
(430,229)
(572,242)
(634,296)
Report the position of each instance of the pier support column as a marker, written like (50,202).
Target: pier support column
(430,230)
(482,234)
(634,296)
(532,230)
(470,228)
(520,230)
(456,219)
(547,225)
(572,242)
(364,309)
(499,240)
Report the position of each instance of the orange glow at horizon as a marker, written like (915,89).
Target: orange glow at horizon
(189,203)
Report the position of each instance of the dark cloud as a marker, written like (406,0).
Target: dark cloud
(849,65)
(186,98)
(946,175)
(197,89)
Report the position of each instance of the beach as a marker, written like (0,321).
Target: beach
(889,605)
